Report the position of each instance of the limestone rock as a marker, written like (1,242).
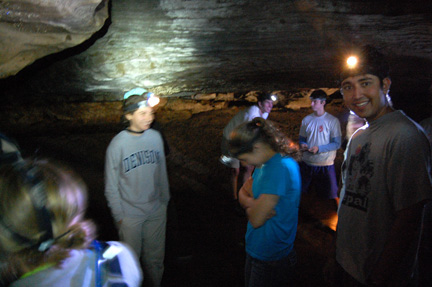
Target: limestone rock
(30,30)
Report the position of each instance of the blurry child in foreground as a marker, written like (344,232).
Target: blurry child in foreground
(44,238)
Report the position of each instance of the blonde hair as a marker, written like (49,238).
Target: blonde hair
(243,137)
(65,200)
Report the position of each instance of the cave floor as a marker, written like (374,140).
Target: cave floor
(205,233)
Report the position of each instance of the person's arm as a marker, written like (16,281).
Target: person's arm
(261,209)
(112,193)
(401,235)
(245,193)
(303,143)
(161,176)
(334,144)
(302,136)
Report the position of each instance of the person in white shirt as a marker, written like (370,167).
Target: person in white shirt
(241,172)
(320,138)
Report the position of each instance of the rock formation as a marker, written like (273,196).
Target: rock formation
(186,48)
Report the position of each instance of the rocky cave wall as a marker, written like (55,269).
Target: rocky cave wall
(182,49)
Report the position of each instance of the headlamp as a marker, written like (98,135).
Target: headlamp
(151,101)
(367,60)
(273,98)
(352,62)
(352,66)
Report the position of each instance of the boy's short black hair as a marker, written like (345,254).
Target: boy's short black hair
(261,97)
(318,94)
(370,61)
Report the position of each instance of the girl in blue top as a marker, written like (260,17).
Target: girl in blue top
(271,202)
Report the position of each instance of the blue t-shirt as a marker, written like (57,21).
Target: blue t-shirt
(275,239)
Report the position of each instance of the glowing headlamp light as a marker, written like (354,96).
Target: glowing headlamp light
(273,98)
(352,62)
(152,99)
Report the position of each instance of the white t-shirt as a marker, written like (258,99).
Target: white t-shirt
(319,131)
(79,271)
(243,116)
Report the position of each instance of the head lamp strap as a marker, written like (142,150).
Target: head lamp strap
(136,106)
(38,197)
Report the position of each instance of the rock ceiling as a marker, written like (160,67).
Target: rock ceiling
(91,50)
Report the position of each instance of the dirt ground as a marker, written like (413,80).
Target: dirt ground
(205,235)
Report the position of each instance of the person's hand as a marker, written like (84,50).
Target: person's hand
(303,147)
(313,149)
(271,214)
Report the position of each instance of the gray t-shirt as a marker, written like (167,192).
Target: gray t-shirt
(136,180)
(320,132)
(386,169)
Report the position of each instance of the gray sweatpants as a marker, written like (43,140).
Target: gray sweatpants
(147,238)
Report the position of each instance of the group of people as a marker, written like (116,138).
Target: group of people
(385,186)
(45,239)
(386,182)
(276,173)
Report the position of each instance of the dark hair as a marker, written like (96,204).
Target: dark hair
(318,94)
(370,61)
(243,137)
(261,97)
(132,100)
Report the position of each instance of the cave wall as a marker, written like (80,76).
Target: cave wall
(30,30)
(180,48)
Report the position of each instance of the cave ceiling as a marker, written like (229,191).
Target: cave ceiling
(93,50)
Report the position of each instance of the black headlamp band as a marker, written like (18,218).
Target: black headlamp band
(136,106)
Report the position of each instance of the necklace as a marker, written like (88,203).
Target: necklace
(134,132)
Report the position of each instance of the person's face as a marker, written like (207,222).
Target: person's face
(364,95)
(141,119)
(256,157)
(317,105)
(266,106)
